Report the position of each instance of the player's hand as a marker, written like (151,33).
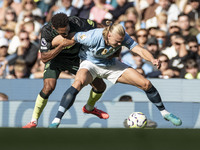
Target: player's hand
(64,42)
(156,62)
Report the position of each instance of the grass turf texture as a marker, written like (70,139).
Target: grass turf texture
(99,139)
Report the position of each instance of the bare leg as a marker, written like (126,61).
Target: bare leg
(132,77)
(41,101)
(83,78)
(49,85)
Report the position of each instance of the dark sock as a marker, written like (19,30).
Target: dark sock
(155,98)
(45,96)
(67,101)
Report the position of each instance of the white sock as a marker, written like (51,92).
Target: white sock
(164,112)
(34,120)
(56,120)
(89,108)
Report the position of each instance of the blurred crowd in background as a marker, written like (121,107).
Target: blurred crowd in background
(169,29)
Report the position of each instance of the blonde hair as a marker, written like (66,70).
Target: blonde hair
(20,66)
(24,3)
(162,17)
(198,22)
(113,28)
(160,31)
(133,10)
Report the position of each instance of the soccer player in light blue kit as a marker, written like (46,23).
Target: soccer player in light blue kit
(99,46)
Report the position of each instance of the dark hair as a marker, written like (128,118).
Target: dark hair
(4,96)
(59,20)
(193,1)
(175,33)
(179,36)
(129,21)
(23,31)
(183,14)
(125,98)
(160,55)
(192,39)
(191,63)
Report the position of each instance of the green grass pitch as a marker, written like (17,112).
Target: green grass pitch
(99,139)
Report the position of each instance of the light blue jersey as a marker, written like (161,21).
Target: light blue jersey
(95,50)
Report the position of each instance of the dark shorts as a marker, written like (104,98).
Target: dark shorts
(54,67)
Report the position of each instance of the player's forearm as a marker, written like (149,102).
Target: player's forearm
(147,55)
(64,42)
(143,53)
(47,56)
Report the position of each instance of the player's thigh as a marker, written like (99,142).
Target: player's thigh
(132,77)
(64,63)
(98,85)
(51,70)
(83,78)
(51,74)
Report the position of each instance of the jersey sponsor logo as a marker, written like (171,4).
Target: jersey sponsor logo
(90,22)
(43,47)
(43,42)
(108,52)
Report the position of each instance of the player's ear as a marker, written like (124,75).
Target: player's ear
(53,27)
(109,34)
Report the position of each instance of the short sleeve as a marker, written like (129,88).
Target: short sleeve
(80,24)
(45,42)
(129,42)
(84,38)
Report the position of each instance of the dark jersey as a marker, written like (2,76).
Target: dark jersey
(76,25)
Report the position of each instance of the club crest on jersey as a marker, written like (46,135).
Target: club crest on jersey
(47,66)
(82,37)
(104,52)
(43,42)
(90,22)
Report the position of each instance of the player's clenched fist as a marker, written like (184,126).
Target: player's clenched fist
(157,63)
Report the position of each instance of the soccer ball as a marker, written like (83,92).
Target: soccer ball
(137,120)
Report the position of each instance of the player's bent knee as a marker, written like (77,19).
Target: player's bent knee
(78,84)
(146,85)
(98,85)
(49,87)
(101,87)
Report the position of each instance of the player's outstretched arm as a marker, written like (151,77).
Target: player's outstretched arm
(146,55)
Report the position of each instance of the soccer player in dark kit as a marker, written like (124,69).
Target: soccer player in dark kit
(61,58)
